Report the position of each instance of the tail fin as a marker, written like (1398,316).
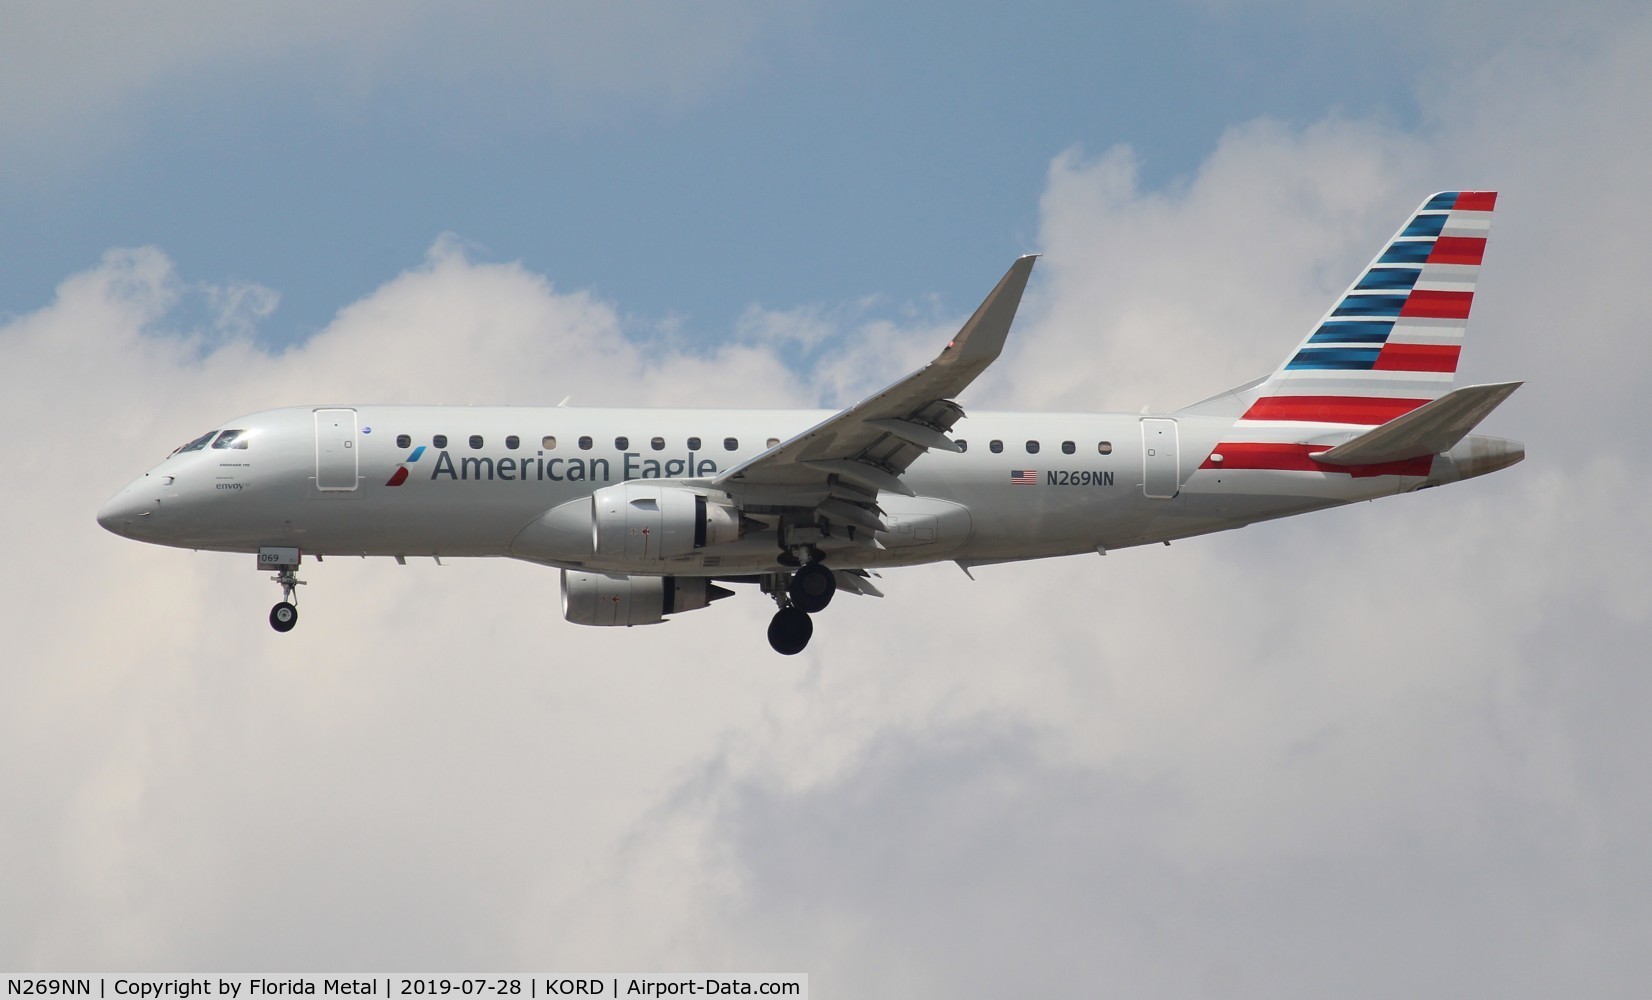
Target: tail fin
(1391,341)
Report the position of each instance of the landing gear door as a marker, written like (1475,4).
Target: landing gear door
(1160,478)
(335,450)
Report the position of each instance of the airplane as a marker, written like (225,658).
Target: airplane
(650,513)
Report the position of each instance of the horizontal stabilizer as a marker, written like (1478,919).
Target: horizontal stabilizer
(1430,429)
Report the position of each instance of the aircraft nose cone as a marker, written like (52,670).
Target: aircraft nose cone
(126,512)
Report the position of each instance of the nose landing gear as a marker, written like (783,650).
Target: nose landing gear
(285,562)
(284,616)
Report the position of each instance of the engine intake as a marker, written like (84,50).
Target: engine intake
(608,599)
(641,521)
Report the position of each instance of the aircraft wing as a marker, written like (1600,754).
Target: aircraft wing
(840,464)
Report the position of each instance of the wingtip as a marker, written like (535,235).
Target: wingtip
(983,336)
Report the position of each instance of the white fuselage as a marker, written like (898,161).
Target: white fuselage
(329,481)
(647,511)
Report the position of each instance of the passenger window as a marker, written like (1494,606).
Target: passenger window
(1067,447)
(773,442)
(693,444)
(1104,447)
(995,446)
(548,442)
(622,442)
(231,439)
(962,444)
(1032,447)
(404,440)
(658,444)
(731,444)
(476,442)
(585,443)
(512,442)
(439,440)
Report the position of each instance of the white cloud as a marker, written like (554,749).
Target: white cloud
(1389,748)
(1163,298)
(201,751)
(86,73)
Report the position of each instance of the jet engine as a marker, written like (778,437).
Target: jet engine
(641,521)
(605,599)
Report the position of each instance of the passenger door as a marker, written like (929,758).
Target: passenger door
(336,466)
(1160,477)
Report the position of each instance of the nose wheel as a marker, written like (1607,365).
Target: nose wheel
(285,615)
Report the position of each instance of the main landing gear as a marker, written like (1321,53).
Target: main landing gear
(809,590)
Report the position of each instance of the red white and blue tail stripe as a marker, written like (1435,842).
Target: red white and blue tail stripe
(1390,343)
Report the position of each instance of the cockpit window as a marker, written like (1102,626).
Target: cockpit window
(231,439)
(197,444)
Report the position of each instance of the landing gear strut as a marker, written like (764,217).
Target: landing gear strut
(809,590)
(285,615)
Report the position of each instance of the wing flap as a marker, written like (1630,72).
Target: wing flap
(919,434)
(846,512)
(856,582)
(861,473)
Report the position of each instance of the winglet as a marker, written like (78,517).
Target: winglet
(981,340)
(914,412)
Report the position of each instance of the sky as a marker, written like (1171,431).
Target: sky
(1393,749)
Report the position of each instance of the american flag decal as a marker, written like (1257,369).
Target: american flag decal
(1024,477)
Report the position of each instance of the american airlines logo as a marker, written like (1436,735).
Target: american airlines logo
(400,475)
(538,468)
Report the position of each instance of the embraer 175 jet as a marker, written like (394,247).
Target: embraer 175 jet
(647,511)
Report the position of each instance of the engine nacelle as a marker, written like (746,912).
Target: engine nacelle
(606,599)
(638,521)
